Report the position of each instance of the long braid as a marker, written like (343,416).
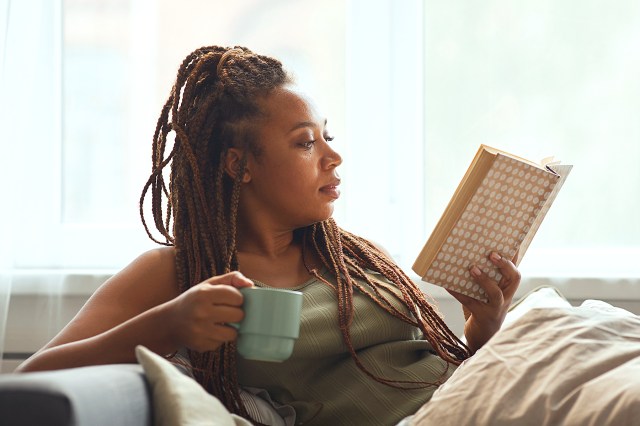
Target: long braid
(357,254)
(213,106)
(208,112)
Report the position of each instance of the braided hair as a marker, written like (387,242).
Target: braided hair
(212,107)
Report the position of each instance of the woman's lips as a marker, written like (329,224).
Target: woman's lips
(331,190)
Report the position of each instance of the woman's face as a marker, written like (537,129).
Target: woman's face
(293,181)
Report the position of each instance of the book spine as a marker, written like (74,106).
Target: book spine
(469,184)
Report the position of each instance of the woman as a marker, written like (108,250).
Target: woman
(243,196)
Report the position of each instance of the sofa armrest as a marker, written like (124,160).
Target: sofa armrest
(116,394)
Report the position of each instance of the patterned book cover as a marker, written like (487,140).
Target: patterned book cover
(504,211)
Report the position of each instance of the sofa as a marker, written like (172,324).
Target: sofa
(113,395)
(153,392)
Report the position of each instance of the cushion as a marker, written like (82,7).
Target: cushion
(566,365)
(540,297)
(179,400)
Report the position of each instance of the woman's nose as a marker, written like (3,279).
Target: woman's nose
(331,158)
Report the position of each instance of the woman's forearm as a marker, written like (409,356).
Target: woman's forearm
(116,345)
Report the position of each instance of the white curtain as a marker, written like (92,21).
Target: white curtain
(27,106)
(5,174)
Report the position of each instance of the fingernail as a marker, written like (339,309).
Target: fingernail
(495,257)
(475,271)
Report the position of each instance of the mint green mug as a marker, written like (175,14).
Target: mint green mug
(271,323)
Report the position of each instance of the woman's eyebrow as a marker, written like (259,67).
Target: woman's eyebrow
(302,124)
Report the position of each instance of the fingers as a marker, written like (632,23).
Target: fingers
(206,327)
(497,292)
(510,275)
(224,290)
(225,314)
(223,333)
(224,300)
(217,295)
(234,279)
(462,298)
(215,336)
(490,287)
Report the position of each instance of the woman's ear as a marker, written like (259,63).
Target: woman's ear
(233,163)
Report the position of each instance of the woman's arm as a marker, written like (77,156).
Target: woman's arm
(141,305)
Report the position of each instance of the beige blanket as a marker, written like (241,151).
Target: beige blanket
(556,366)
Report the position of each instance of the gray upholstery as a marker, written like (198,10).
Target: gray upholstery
(113,395)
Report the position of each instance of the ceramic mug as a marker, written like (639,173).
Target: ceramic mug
(271,323)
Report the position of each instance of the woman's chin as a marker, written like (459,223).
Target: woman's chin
(318,219)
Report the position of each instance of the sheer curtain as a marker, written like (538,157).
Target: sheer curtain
(5,177)
(28,122)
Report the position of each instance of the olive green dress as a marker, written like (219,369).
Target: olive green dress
(322,382)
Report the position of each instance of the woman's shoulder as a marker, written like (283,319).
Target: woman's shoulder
(152,273)
(160,257)
(156,263)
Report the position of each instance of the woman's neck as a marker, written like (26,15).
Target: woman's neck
(276,259)
(267,244)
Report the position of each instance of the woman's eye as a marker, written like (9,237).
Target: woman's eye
(308,144)
(328,138)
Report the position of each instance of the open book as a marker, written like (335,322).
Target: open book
(498,206)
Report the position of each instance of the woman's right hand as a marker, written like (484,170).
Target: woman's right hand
(198,317)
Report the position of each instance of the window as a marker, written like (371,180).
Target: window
(411,89)
(88,78)
(539,79)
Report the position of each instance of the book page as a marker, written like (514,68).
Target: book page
(498,218)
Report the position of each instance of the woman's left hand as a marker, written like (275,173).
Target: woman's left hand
(483,319)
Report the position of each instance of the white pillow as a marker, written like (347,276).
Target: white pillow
(554,366)
(178,400)
(540,297)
